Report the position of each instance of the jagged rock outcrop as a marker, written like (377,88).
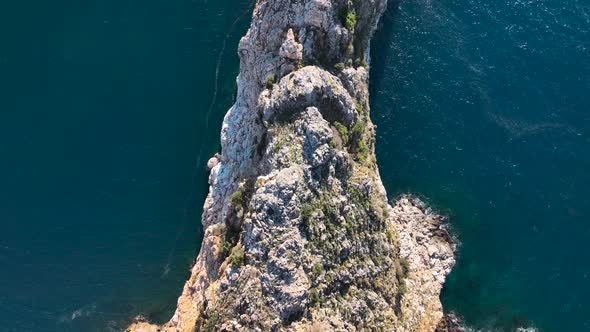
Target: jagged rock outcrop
(299,235)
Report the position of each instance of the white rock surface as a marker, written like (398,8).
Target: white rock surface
(291,49)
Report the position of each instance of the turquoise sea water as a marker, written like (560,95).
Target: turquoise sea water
(106,124)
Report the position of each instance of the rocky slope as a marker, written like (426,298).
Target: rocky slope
(299,235)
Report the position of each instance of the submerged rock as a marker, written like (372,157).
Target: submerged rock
(299,235)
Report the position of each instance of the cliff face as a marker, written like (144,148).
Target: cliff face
(299,235)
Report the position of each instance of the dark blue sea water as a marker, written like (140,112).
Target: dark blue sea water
(483,107)
(103,143)
(106,124)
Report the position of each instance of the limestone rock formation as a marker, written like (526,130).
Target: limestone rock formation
(290,48)
(299,235)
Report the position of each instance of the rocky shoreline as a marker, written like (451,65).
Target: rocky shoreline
(299,235)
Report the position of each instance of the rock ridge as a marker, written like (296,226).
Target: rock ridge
(299,234)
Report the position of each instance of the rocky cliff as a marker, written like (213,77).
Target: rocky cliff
(299,235)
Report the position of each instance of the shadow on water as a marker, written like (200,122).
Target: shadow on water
(383,36)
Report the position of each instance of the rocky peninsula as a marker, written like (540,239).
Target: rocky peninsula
(299,234)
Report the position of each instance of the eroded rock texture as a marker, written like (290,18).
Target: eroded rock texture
(299,235)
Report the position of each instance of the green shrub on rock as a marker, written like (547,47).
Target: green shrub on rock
(270,81)
(359,146)
(238,198)
(238,257)
(317,270)
(342,131)
(350,21)
(314,296)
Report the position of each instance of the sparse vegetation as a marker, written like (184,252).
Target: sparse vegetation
(402,289)
(342,131)
(225,247)
(317,270)
(231,231)
(389,235)
(349,53)
(360,62)
(270,81)
(385,210)
(212,321)
(358,130)
(280,143)
(405,265)
(359,146)
(237,257)
(314,296)
(307,210)
(350,20)
(358,107)
(362,152)
(238,199)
